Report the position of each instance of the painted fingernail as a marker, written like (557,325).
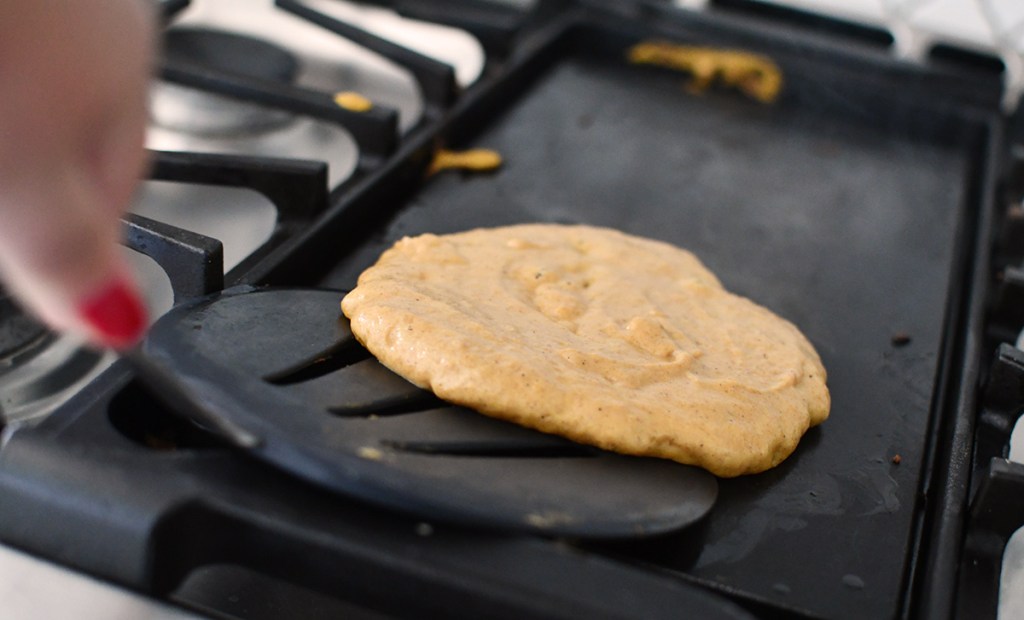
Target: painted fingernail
(116,313)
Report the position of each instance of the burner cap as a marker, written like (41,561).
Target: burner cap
(18,331)
(197,112)
(232,53)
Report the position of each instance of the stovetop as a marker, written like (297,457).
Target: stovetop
(861,205)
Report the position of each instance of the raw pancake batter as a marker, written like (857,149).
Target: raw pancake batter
(605,338)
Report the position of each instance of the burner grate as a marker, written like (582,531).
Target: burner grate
(20,334)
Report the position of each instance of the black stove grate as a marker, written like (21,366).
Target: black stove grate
(19,333)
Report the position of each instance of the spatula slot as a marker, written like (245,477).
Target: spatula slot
(346,353)
(388,408)
(494,449)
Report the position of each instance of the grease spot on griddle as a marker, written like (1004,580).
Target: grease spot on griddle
(873,490)
(853,581)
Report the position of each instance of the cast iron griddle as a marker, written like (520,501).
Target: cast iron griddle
(282,366)
(839,208)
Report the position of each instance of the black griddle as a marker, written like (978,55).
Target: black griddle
(858,206)
(818,208)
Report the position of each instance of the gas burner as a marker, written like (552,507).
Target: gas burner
(193,120)
(35,386)
(205,114)
(231,52)
(35,363)
(20,335)
(332,63)
(40,370)
(302,138)
(259,41)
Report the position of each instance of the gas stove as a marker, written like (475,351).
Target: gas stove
(249,50)
(875,204)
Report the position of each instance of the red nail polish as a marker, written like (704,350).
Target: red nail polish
(116,313)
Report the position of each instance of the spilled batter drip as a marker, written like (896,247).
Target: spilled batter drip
(755,75)
(353,102)
(475,160)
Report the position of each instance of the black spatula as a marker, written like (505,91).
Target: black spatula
(278,373)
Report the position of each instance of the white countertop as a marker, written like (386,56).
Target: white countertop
(31,589)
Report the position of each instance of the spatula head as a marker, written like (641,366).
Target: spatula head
(282,365)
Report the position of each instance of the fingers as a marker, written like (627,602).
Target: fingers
(72,123)
(59,256)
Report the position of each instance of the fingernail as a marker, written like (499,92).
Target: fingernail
(116,313)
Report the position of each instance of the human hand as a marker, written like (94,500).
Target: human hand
(74,79)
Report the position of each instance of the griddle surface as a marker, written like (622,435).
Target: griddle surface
(838,224)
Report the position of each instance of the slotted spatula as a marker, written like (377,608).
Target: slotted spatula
(276,372)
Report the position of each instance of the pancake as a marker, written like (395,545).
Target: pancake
(605,338)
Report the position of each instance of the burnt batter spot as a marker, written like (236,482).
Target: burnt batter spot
(900,339)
